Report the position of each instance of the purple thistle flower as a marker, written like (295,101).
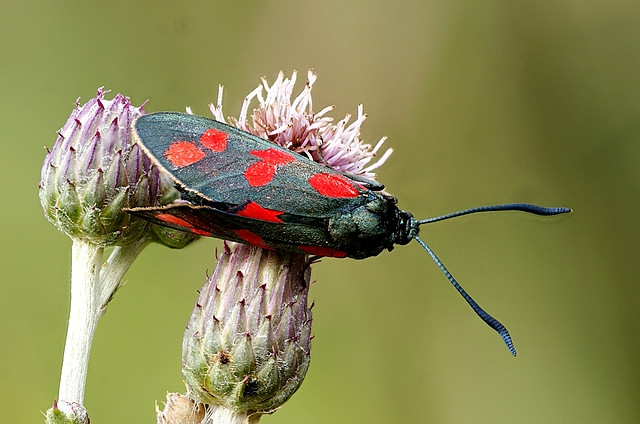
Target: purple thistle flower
(294,125)
(94,170)
(248,340)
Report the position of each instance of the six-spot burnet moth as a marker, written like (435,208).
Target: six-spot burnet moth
(236,186)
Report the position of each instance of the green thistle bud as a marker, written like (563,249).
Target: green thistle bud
(248,341)
(63,412)
(94,170)
(171,237)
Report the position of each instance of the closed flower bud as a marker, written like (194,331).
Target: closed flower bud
(94,170)
(171,237)
(64,412)
(248,341)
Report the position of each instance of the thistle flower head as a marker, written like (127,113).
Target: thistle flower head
(248,341)
(293,124)
(94,170)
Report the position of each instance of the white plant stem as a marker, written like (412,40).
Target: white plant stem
(86,259)
(223,415)
(92,287)
(116,267)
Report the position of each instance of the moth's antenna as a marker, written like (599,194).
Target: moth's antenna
(491,321)
(484,315)
(524,207)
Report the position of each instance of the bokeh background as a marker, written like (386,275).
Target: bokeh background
(483,102)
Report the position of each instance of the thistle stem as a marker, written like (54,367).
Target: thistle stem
(84,312)
(93,285)
(223,415)
(114,269)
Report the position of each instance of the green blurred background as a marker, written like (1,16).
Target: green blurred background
(483,102)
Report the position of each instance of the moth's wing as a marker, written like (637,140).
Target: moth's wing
(286,232)
(248,167)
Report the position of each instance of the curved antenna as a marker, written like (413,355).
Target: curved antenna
(524,207)
(484,315)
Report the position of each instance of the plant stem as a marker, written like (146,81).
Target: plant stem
(92,288)
(83,316)
(223,415)
(114,269)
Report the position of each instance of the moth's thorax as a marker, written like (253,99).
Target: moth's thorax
(367,229)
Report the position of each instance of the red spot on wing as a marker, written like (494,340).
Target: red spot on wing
(172,219)
(183,153)
(273,156)
(214,140)
(254,210)
(323,251)
(261,173)
(252,239)
(332,185)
